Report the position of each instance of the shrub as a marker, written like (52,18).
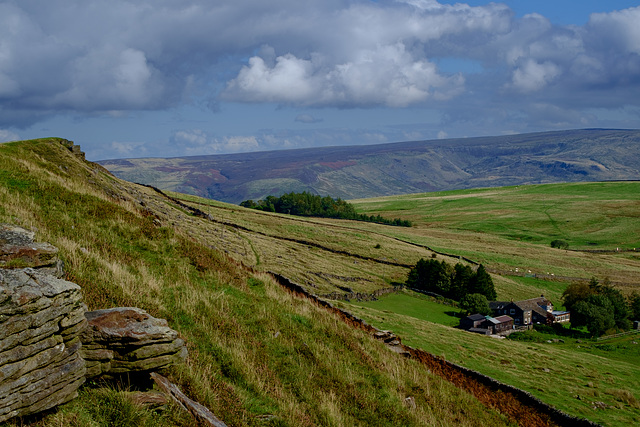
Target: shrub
(559,244)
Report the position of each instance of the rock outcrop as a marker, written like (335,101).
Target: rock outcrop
(46,332)
(19,250)
(128,340)
(41,318)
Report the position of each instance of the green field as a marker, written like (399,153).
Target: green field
(414,305)
(510,230)
(571,375)
(260,356)
(599,215)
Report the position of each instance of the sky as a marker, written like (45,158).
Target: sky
(166,78)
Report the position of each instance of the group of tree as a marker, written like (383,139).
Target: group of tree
(307,204)
(600,307)
(473,289)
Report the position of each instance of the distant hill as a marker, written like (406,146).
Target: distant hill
(397,168)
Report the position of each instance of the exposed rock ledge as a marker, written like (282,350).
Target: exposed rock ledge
(41,318)
(127,339)
(44,338)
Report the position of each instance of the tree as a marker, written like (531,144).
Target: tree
(475,303)
(595,312)
(586,301)
(482,283)
(559,244)
(432,276)
(619,305)
(460,283)
(575,293)
(634,305)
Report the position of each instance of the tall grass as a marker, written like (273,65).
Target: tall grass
(258,355)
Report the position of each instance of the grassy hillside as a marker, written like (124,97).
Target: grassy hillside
(510,229)
(572,374)
(397,168)
(261,356)
(258,354)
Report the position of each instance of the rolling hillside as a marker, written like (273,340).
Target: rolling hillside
(260,355)
(397,168)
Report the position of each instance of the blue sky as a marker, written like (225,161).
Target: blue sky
(177,77)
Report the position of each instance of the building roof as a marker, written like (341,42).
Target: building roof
(504,319)
(476,317)
(533,304)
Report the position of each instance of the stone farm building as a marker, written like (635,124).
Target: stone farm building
(528,312)
(487,325)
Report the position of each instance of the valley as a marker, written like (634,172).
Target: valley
(262,356)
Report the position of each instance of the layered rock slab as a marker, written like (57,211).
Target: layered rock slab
(19,250)
(126,340)
(41,318)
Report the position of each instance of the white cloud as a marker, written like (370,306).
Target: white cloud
(619,29)
(386,75)
(6,135)
(532,76)
(126,149)
(90,58)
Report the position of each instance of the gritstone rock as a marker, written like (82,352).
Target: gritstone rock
(18,250)
(127,339)
(41,317)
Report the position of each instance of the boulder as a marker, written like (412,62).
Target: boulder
(125,340)
(41,318)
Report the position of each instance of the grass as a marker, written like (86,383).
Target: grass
(414,305)
(571,375)
(258,354)
(512,227)
(586,215)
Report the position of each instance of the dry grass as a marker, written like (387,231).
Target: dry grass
(258,355)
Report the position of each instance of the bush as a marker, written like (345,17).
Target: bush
(475,303)
(559,244)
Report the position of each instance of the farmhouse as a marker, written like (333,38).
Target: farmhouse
(530,311)
(473,321)
(487,325)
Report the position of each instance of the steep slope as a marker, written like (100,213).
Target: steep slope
(397,168)
(258,354)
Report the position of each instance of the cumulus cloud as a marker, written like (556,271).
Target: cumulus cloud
(387,75)
(86,58)
(127,149)
(532,76)
(195,142)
